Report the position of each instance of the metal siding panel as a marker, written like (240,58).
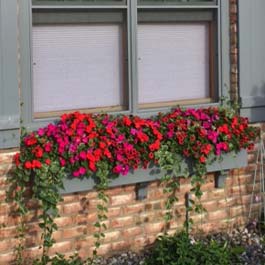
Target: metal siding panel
(224,48)
(252,59)
(9,93)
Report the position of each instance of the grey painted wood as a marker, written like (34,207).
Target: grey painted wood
(67,16)
(221,8)
(78,3)
(252,59)
(9,93)
(229,161)
(174,16)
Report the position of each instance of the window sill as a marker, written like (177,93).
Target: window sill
(228,161)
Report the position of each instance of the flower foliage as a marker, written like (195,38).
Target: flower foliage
(102,145)
(79,142)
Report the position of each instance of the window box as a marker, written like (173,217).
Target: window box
(228,161)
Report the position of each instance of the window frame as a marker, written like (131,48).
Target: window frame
(131,9)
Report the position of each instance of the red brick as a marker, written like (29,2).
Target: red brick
(64,221)
(134,208)
(114,191)
(129,188)
(112,236)
(70,198)
(142,241)
(7,244)
(84,243)
(121,245)
(103,250)
(154,228)
(236,210)
(33,252)
(75,231)
(132,232)
(7,258)
(122,199)
(114,212)
(122,222)
(72,208)
(8,232)
(61,247)
(223,203)
(217,215)
(210,205)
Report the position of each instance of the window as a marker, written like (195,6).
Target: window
(124,56)
(78,58)
(175,57)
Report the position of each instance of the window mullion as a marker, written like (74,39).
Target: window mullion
(132,58)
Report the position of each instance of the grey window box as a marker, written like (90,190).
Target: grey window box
(228,161)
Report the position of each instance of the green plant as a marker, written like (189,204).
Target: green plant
(104,146)
(180,249)
(60,259)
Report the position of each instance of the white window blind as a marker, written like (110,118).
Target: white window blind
(77,67)
(173,61)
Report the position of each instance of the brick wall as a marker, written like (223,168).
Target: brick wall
(133,224)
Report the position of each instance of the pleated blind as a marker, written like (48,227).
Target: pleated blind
(76,67)
(173,61)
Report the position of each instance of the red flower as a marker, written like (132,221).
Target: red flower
(92,166)
(17,159)
(202,159)
(206,149)
(48,162)
(30,140)
(36,164)
(27,165)
(151,155)
(48,147)
(223,129)
(90,157)
(126,121)
(38,152)
(154,146)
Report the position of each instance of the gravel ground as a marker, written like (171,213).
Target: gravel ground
(251,240)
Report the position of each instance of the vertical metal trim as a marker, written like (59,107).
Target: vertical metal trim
(224,49)
(25,61)
(9,91)
(132,46)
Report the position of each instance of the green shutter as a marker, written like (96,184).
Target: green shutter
(9,93)
(252,59)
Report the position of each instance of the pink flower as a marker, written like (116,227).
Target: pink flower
(212,136)
(82,170)
(133,131)
(48,147)
(62,162)
(76,173)
(82,155)
(41,132)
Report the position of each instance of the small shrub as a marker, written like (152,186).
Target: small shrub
(181,250)
(60,259)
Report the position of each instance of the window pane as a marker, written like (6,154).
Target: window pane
(77,67)
(173,61)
